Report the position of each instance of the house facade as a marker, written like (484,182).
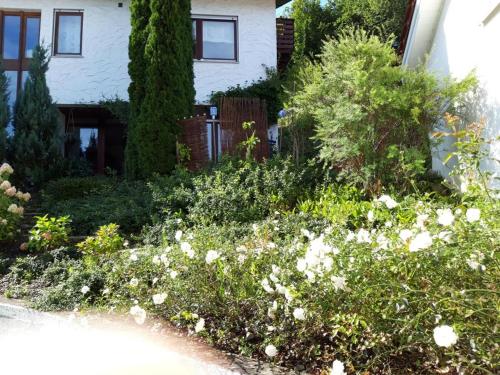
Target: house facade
(453,38)
(235,41)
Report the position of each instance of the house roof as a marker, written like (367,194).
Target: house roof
(281,2)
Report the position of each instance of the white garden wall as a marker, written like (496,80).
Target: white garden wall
(101,71)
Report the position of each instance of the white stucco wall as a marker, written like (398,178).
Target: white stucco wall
(257,44)
(466,38)
(102,70)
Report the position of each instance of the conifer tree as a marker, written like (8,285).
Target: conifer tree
(170,91)
(38,136)
(4,113)
(140,13)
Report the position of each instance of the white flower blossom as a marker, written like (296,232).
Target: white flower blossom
(85,289)
(421,241)
(405,235)
(271,351)
(339,283)
(134,257)
(473,214)
(134,282)
(158,299)
(211,256)
(178,235)
(173,274)
(350,236)
(446,236)
(337,368)
(370,216)
(200,325)
(299,314)
(266,286)
(363,236)
(301,264)
(445,217)
(138,313)
(445,336)
(421,219)
(389,202)
(156,260)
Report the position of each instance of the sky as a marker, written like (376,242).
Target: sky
(280,10)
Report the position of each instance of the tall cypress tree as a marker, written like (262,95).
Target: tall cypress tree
(4,113)
(38,138)
(140,13)
(170,91)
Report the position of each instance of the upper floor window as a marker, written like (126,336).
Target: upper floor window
(215,39)
(68,33)
(19,35)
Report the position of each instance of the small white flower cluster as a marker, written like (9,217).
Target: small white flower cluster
(138,313)
(318,258)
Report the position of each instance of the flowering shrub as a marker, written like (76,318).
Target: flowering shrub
(11,204)
(411,279)
(49,233)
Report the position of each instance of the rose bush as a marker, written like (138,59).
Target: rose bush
(11,204)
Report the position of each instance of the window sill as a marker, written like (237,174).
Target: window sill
(68,56)
(216,61)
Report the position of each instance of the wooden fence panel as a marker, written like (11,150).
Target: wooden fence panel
(233,113)
(194,135)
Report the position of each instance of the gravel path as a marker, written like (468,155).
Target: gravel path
(32,342)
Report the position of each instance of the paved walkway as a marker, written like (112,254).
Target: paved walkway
(32,342)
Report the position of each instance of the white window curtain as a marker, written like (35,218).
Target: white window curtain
(69,33)
(218,40)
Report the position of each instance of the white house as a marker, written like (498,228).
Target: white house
(88,42)
(454,37)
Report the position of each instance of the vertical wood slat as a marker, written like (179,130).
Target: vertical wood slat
(233,113)
(194,135)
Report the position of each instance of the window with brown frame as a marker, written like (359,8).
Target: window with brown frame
(215,39)
(19,35)
(68,33)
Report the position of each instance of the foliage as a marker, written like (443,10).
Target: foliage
(37,142)
(4,113)
(249,144)
(314,23)
(107,240)
(49,233)
(117,107)
(268,89)
(169,94)
(363,102)
(140,13)
(11,204)
(378,17)
(95,201)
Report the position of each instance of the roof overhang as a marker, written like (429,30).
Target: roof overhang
(281,2)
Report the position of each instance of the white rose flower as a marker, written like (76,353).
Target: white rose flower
(299,314)
(5,185)
(389,202)
(200,325)
(139,314)
(301,264)
(445,217)
(339,283)
(134,257)
(134,282)
(337,368)
(420,242)
(6,169)
(85,289)
(158,299)
(271,351)
(212,255)
(173,274)
(266,286)
(363,236)
(370,216)
(156,260)
(445,336)
(473,214)
(405,235)
(178,235)
(421,219)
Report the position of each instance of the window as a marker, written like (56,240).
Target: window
(215,39)
(68,33)
(19,35)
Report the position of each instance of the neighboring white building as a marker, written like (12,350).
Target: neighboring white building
(455,37)
(236,40)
